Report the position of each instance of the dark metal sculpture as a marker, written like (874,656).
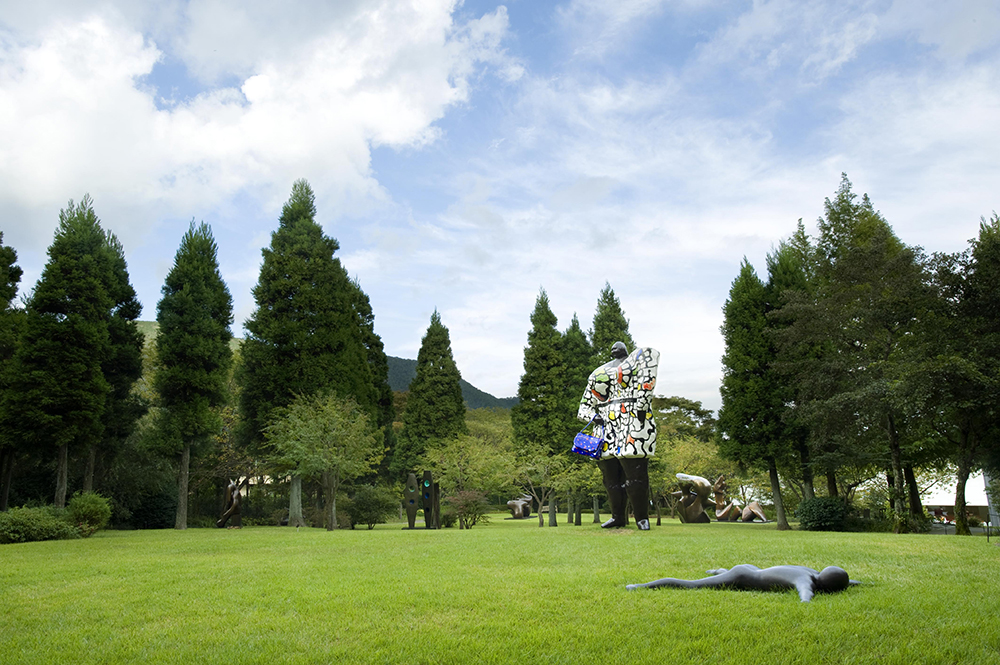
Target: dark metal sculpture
(410,499)
(746,577)
(232,507)
(692,499)
(431,499)
(520,508)
(618,398)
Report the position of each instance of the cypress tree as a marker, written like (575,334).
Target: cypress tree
(749,427)
(10,317)
(384,412)
(435,409)
(577,356)
(192,349)
(610,326)
(542,416)
(305,335)
(58,390)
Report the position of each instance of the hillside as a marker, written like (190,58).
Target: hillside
(401,372)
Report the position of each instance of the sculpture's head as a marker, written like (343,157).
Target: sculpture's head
(833,578)
(618,350)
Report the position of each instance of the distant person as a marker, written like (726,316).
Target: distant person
(618,398)
(746,577)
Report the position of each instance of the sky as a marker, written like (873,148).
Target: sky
(468,155)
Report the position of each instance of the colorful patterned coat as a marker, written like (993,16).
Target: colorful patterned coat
(621,394)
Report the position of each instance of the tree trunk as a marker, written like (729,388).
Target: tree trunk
(913,492)
(965,457)
(779,505)
(181,522)
(88,474)
(807,474)
(553,511)
(295,503)
(330,491)
(597,510)
(831,483)
(578,518)
(569,511)
(896,456)
(6,475)
(62,476)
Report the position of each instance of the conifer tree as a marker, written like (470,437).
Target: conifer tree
(58,389)
(577,356)
(749,427)
(435,409)
(305,335)
(10,318)
(193,351)
(610,326)
(542,417)
(379,365)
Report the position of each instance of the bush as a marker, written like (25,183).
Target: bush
(449,517)
(823,513)
(22,525)
(89,512)
(470,507)
(372,504)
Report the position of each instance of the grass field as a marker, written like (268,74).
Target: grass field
(506,592)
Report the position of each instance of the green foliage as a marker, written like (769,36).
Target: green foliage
(435,410)
(306,334)
(90,509)
(372,504)
(823,513)
(610,326)
(23,525)
(471,463)
(542,418)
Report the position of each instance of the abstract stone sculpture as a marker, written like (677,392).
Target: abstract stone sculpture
(618,398)
(232,507)
(746,577)
(520,508)
(693,501)
(410,499)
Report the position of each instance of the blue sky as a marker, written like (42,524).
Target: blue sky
(466,155)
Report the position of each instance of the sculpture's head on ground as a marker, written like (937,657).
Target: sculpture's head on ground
(832,578)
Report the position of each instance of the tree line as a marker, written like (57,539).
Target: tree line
(861,357)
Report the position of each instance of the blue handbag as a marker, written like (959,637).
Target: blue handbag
(588,444)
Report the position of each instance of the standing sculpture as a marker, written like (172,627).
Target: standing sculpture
(618,398)
(430,492)
(746,577)
(410,496)
(232,509)
(692,499)
(520,508)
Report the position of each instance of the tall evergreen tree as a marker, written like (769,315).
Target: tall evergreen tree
(610,326)
(435,409)
(577,356)
(379,364)
(305,335)
(58,389)
(122,366)
(749,426)
(193,351)
(10,277)
(542,417)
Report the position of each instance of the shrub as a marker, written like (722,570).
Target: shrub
(823,513)
(22,525)
(470,507)
(372,504)
(448,516)
(89,511)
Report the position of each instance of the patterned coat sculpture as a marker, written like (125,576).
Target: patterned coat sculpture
(619,397)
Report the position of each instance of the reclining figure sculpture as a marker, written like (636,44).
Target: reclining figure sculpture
(747,577)
(520,508)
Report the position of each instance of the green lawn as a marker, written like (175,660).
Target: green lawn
(504,592)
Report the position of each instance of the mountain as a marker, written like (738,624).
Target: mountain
(402,371)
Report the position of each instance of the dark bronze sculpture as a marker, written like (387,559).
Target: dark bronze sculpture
(410,497)
(618,399)
(431,494)
(746,577)
(730,511)
(692,499)
(520,508)
(232,507)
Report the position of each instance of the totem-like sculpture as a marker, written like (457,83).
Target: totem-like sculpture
(692,499)
(748,577)
(410,496)
(431,501)
(232,507)
(520,508)
(618,397)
